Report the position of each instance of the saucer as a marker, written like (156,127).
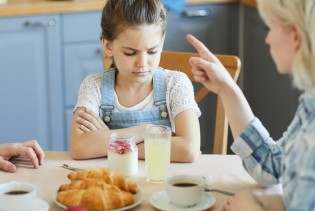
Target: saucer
(40,205)
(37,205)
(161,201)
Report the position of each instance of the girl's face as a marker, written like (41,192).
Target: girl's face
(283,43)
(136,51)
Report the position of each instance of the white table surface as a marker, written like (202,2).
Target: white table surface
(222,171)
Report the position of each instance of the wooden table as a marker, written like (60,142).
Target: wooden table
(222,171)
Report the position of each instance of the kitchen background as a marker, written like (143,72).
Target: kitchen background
(48,47)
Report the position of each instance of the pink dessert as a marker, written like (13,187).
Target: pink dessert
(123,156)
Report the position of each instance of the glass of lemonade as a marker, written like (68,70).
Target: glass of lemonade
(157,145)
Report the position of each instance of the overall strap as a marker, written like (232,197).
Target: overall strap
(159,87)
(107,93)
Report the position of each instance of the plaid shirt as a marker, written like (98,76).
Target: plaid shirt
(289,161)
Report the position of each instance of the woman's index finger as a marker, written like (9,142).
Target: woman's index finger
(204,52)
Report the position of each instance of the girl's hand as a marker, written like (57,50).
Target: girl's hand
(89,121)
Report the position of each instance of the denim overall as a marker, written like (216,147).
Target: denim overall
(117,120)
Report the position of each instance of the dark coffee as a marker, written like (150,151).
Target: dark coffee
(16,192)
(184,184)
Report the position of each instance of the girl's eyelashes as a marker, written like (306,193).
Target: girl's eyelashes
(152,52)
(130,54)
(134,53)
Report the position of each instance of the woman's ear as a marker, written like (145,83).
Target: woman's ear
(107,47)
(296,37)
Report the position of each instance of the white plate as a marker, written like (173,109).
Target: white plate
(138,200)
(161,201)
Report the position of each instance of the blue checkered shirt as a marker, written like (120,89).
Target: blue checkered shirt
(289,161)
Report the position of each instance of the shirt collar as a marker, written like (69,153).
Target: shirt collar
(307,99)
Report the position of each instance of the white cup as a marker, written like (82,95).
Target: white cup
(16,196)
(157,145)
(185,190)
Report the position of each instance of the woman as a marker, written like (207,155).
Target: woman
(291,160)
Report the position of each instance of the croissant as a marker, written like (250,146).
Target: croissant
(85,184)
(96,199)
(107,175)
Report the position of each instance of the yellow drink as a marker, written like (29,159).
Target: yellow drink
(157,156)
(157,159)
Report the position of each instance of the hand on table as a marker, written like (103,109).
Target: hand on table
(30,149)
(244,201)
(89,121)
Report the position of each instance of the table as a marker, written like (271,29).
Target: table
(222,171)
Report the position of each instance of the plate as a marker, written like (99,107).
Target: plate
(138,200)
(161,201)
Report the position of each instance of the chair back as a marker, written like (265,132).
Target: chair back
(179,61)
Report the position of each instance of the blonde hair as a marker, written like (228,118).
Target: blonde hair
(301,14)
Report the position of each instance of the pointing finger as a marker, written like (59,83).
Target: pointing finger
(201,48)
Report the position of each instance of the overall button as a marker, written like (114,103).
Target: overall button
(164,114)
(106,118)
(162,106)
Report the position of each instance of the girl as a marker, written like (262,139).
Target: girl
(135,92)
(291,160)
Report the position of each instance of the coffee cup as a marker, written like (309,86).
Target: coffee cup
(16,196)
(185,190)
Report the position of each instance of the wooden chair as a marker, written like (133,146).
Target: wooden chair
(179,61)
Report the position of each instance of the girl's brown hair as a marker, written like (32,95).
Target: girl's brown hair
(119,14)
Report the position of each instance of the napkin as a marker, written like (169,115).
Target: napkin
(174,5)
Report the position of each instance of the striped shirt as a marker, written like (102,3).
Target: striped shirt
(289,161)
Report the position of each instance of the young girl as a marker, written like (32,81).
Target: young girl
(135,92)
(291,160)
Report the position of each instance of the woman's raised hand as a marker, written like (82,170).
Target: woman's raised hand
(207,69)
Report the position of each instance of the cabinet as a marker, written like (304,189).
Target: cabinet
(31,82)
(217,26)
(270,94)
(82,52)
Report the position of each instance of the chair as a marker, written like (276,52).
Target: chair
(179,61)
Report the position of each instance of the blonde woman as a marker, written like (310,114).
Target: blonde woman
(290,160)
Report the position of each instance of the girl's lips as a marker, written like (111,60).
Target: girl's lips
(141,73)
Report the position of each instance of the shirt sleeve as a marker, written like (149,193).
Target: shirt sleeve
(90,93)
(260,154)
(180,93)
